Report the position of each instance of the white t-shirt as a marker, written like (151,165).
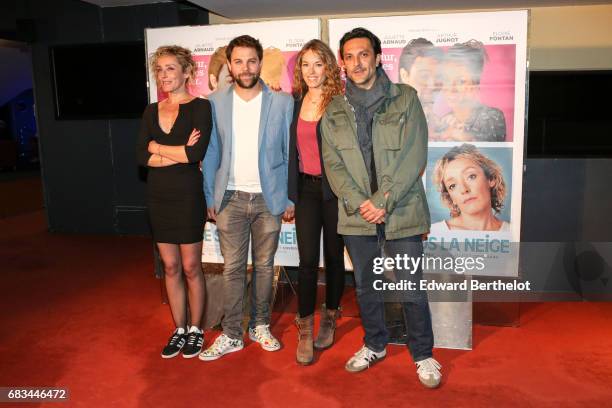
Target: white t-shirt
(442,226)
(244,169)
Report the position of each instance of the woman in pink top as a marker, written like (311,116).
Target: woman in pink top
(316,82)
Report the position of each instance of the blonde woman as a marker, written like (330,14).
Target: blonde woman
(473,188)
(173,140)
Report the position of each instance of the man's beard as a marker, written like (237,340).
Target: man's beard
(246,85)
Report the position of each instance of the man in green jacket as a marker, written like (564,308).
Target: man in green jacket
(374,152)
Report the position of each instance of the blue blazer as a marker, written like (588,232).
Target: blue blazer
(276,116)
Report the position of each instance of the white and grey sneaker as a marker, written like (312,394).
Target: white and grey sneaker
(195,340)
(175,343)
(363,359)
(221,346)
(261,334)
(429,372)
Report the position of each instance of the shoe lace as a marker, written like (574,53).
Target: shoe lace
(365,353)
(429,366)
(175,339)
(191,339)
(221,342)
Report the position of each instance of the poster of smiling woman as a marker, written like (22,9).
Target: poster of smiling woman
(469,71)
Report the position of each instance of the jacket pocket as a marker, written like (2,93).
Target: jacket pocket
(345,143)
(343,137)
(410,212)
(389,126)
(337,122)
(390,119)
(390,141)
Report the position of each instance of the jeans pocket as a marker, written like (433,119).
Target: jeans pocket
(227,196)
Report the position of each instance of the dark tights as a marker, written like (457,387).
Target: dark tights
(189,256)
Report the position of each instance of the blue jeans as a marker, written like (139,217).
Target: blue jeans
(363,250)
(245,216)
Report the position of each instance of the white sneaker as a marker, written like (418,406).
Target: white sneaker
(429,372)
(261,334)
(363,359)
(221,346)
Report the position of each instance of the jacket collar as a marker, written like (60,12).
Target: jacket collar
(226,99)
(339,102)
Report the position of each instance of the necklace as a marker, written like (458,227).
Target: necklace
(312,101)
(310,112)
(183,99)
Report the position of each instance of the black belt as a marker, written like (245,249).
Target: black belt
(310,177)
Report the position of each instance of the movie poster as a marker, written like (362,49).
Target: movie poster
(469,70)
(281,41)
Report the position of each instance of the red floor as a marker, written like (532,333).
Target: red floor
(84,312)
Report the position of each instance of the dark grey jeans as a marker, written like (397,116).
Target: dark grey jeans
(245,216)
(363,250)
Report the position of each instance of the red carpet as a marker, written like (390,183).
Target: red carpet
(84,312)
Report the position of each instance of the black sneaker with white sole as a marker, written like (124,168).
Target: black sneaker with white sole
(195,340)
(176,342)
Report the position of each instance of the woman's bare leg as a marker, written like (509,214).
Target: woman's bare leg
(171,259)
(191,254)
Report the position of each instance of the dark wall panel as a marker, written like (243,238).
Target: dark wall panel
(553,199)
(129,23)
(75,155)
(75,162)
(567,200)
(80,187)
(64,21)
(567,226)
(129,179)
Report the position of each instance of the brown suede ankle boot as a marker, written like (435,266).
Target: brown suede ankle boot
(304,354)
(327,330)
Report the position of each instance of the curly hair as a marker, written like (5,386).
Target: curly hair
(491,170)
(333,84)
(183,56)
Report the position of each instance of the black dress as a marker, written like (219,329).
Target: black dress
(175,195)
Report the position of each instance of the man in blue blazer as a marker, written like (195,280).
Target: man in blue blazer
(245,183)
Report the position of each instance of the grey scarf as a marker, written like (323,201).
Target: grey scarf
(365,103)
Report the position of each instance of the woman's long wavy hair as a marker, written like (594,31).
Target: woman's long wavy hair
(332,85)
